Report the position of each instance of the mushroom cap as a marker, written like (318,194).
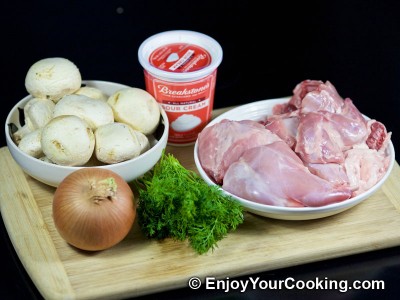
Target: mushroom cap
(92,92)
(52,78)
(37,112)
(118,142)
(137,108)
(31,145)
(67,140)
(94,112)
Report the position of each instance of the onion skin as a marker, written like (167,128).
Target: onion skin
(93,209)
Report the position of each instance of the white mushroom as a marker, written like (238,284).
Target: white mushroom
(144,142)
(92,92)
(37,113)
(137,108)
(45,159)
(93,161)
(52,78)
(118,142)
(68,141)
(94,112)
(31,145)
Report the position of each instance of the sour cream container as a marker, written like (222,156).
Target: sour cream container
(180,71)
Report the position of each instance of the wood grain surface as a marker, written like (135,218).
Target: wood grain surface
(138,266)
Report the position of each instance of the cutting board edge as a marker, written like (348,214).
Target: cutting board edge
(40,246)
(50,291)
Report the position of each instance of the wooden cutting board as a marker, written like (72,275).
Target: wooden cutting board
(138,266)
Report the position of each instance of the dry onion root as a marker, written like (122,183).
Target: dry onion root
(93,209)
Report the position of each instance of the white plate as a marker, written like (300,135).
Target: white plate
(257,111)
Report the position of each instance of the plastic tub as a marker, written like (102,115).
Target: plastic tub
(180,69)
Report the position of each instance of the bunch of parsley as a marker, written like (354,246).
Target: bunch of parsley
(177,203)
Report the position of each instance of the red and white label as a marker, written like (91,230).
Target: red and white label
(188,105)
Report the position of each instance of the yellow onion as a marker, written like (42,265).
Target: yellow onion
(93,209)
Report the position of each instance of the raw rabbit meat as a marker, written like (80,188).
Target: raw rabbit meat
(273,174)
(314,150)
(223,143)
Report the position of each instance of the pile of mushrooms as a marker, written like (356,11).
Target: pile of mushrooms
(69,124)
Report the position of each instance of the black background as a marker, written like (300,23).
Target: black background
(268,48)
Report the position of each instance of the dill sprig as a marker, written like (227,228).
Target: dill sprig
(177,203)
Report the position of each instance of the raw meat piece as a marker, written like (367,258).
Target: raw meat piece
(323,136)
(318,141)
(334,173)
(223,143)
(365,167)
(348,126)
(285,126)
(323,98)
(312,95)
(273,174)
(378,137)
(300,91)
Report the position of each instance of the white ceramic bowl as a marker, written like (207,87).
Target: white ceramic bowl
(52,174)
(257,111)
